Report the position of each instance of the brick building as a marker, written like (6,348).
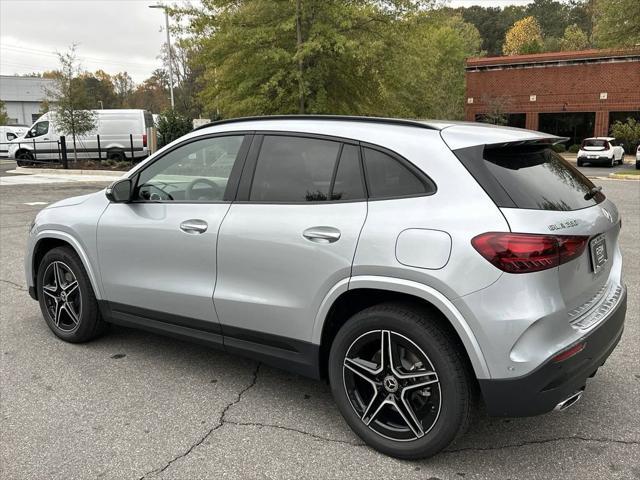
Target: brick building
(572,94)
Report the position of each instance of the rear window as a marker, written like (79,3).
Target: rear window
(602,144)
(530,178)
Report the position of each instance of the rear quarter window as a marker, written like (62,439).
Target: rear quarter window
(530,178)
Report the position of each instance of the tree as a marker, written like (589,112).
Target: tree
(524,37)
(4,118)
(426,70)
(492,23)
(574,39)
(496,109)
(123,87)
(617,23)
(171,126)
(69,99)
(628,133)
(359,57)
(153,93)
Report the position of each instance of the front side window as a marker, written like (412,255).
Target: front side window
(196,172)
(387,177)
(40,128)
(294,170)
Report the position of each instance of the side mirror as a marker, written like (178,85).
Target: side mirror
(120,191)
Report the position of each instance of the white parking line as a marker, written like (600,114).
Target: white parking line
(32,204)
(39,179)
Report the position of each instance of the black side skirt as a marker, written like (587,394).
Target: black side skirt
(281,352)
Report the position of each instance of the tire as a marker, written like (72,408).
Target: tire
(444,406)
(579,163)
(117,155)
(621,160)
(58,267)
(24,158)
(613,162)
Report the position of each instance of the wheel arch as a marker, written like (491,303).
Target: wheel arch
(346,299)
(50,239)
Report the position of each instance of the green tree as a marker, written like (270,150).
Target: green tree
(524,37)
(617,23)
(426,74)
(69,99)
(574,39)
(492,23)
(363,57)
(628,133)
(4,118)
(171,126)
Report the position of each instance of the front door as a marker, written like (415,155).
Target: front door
(287,240)
(157,253)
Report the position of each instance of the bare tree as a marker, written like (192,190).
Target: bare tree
(497,108)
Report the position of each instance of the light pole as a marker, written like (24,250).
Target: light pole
(166,21)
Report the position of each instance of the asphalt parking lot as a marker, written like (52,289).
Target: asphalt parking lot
(134,405)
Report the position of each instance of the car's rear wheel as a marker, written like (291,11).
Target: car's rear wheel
(66,297)
(399,381)
(613,162)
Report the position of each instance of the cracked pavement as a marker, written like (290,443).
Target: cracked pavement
(133,405)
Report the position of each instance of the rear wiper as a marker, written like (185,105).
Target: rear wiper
(592,193)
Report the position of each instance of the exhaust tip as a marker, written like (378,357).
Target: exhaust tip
(569,401)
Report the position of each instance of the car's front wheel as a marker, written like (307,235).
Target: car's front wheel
(400,381)
(66,297)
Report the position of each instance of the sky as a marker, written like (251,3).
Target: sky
(112,35)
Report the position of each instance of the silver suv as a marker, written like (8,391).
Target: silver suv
(414,265)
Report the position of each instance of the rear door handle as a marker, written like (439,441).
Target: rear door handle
(194,226)
(322,234)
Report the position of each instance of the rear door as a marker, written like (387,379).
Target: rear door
(539,192)
(287,240)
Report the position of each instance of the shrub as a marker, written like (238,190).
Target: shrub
(172,125)
(574,148)
(627,133)
(559,148)
(123,165)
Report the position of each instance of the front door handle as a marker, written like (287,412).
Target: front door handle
(194,226)
(322,234)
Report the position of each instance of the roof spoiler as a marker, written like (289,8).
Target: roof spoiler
(549,141)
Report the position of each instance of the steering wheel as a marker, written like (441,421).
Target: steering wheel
(190,194)
(151,185)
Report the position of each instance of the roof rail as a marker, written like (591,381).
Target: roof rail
(347,118)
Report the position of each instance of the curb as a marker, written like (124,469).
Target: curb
(619,176)
(60,171)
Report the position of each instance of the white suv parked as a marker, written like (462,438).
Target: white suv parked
(603,150)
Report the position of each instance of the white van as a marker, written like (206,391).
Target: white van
(119,135)
(7,134)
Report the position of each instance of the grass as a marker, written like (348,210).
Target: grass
(628,172)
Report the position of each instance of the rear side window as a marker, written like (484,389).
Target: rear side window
(387,177)
(529,178)
(348,184)
(294,169)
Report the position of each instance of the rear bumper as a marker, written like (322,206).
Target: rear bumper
(541,390)
(599,159)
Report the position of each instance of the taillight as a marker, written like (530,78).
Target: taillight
(526,252)
(144,139)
